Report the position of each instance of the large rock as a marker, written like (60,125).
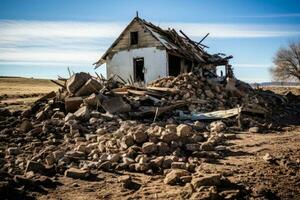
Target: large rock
(83,113)
(173,177)
(207,180)
(184,130)
(89,87)
(72,103)
(76,81)
(149,147)
(92,100)
(76,173)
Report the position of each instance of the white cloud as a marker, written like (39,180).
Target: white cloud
(251,65)
(84,42)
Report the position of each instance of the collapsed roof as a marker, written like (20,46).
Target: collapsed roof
(175,44)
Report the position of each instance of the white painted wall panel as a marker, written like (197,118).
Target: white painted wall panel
(155,63)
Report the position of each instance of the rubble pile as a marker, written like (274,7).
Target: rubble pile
(92,124)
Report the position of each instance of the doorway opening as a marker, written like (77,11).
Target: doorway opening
(138,69)
(174,65)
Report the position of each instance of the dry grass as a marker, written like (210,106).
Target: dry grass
(21,86)
(20,93)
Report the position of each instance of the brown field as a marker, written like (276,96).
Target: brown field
(19,93)
(244,165)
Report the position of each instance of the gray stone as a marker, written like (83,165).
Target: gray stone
(127,141)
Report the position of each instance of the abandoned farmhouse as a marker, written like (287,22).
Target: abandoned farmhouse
(144,52)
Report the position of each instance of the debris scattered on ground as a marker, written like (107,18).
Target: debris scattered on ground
(168,127)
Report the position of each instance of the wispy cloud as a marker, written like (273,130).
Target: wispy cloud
(84,42)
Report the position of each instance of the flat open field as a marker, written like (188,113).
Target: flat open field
(243,162)
(19,93)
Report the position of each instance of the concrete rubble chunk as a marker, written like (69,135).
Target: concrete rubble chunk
(207,180)
(149,147)
(217,126)
(89,87)
(73,103)
(184,130)
(92,100)
(83,113)
(77,81)
(76,173)
(173,177)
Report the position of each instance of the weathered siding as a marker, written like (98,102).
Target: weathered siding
(145,39)
(155,63)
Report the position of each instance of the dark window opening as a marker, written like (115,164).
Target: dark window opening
(134,38)
(174,65)
(138,69)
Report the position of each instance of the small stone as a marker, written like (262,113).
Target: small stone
(184,130)
(106,165)
(127,141)
(220,148)
(100,131)
(125,180)
(149,147)
(26,126)
(207,180)
(186,179)
(163,148)
(13,151)
(35,167)
(70,116)
(168,136)
(192,147)
(207,146)
(76,173)
(254,129)
(268,158)
(217,126)
(139,136)
(174,176)
(178,165)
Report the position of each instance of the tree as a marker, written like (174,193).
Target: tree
(287,63)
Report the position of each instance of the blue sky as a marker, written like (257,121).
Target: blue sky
(43,38)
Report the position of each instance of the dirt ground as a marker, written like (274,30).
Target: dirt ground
(243,163)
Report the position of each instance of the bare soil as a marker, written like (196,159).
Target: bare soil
(243,163)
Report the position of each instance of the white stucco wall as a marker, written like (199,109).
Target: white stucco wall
(155,63)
